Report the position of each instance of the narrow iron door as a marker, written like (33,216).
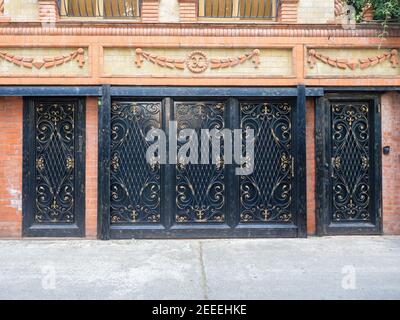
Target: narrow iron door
(351,178)
(53,184)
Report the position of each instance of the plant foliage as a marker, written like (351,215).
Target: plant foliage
(384,9)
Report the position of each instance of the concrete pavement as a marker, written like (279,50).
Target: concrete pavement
(313,268)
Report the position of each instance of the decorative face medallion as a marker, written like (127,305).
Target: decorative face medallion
(197,62)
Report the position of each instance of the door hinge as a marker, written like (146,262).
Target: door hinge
(292,167)
(380,212)
(379,108)
(80,144)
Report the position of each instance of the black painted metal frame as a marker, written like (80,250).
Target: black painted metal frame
(29,229)
(323,167)
(106,231)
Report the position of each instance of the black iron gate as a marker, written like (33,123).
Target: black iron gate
(349,165)
(53,184)
(144,199)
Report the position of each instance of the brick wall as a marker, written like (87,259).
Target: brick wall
(10,167)
(391,163)
(310,159)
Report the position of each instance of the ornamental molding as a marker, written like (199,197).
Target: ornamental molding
(207,30)
(46,62)
(362,63)
(196,61)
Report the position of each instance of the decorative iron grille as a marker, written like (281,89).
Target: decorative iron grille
(239,9)
(100,8)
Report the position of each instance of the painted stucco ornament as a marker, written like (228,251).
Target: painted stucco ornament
(196,61)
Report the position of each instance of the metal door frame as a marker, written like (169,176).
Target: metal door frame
(29,229)
(323,167)
(106,231)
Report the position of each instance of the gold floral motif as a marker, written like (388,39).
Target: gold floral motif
(133,215)
(135,109)
(219,163)
(285,217)
(364,162)
(285,162)
(154,218)
(40,163)
(245,217)
(70,163)
(200,214)
(181,218)
(219,218)
(337,162)
(115,219)
(115,162)
(266,214)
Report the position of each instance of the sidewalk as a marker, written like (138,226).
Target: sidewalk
(313,268)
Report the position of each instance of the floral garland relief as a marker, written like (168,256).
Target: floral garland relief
(196,61)
(392,55)
(48,62)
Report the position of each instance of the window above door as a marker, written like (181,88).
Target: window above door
(238,9)
(108,9)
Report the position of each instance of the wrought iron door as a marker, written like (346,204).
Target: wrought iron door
(53,168)
(353,197)
(135,183)
(205,199)
(200,188)
(266,195)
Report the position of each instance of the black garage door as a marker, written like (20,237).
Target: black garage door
(142,199)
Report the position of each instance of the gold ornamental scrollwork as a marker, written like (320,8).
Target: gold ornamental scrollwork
(196,61)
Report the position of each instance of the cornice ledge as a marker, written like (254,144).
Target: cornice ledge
(197,29)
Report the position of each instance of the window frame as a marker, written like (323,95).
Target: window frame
(236,14)
(100,15)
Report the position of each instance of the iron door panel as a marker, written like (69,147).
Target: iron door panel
(200,188)
(135,184)
(266,194)
(352,156)
(53,202)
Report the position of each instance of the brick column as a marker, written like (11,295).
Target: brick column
(287,12)
(150,10)
(48,11)
(3,18)
(187,11)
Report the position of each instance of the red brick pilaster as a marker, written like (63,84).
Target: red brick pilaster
(187,11)
(287,12)
(48,11)
(150,10)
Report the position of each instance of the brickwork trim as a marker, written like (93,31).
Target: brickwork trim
(288,10)
(201,30)
(48,11)
(150,11)
(188,11)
